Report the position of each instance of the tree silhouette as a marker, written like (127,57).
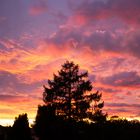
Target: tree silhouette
(68,96)
(97,115)
(21,128)
(69,93)
(43,121)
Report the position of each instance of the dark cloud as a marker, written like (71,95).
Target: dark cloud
(107,90)
(65,35)
(99,41)
(127,44)
(123,105)
(10,97)
(122,110)
(103,42)
(132,43)
(12,85)
(126,10)
(13,18)
(122,79)
(92,77)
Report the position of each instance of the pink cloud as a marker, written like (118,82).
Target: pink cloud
(123,79)
(38,8)
(2,19)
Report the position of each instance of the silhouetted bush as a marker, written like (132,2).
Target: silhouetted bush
(44,121)
(21,129)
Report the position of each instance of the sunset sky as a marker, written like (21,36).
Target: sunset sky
(37,36)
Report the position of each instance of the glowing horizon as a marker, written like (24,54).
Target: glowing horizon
(10,122)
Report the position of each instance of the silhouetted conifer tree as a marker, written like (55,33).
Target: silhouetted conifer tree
(69,93)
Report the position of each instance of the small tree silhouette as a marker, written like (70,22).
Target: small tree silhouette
(69,93)
(21,128)
(43,122)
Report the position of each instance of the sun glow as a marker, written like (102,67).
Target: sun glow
(10,122)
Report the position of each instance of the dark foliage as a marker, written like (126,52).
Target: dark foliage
(59,128)
(20,129)
(43,122)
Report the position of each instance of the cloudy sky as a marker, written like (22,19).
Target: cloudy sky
(37,36)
